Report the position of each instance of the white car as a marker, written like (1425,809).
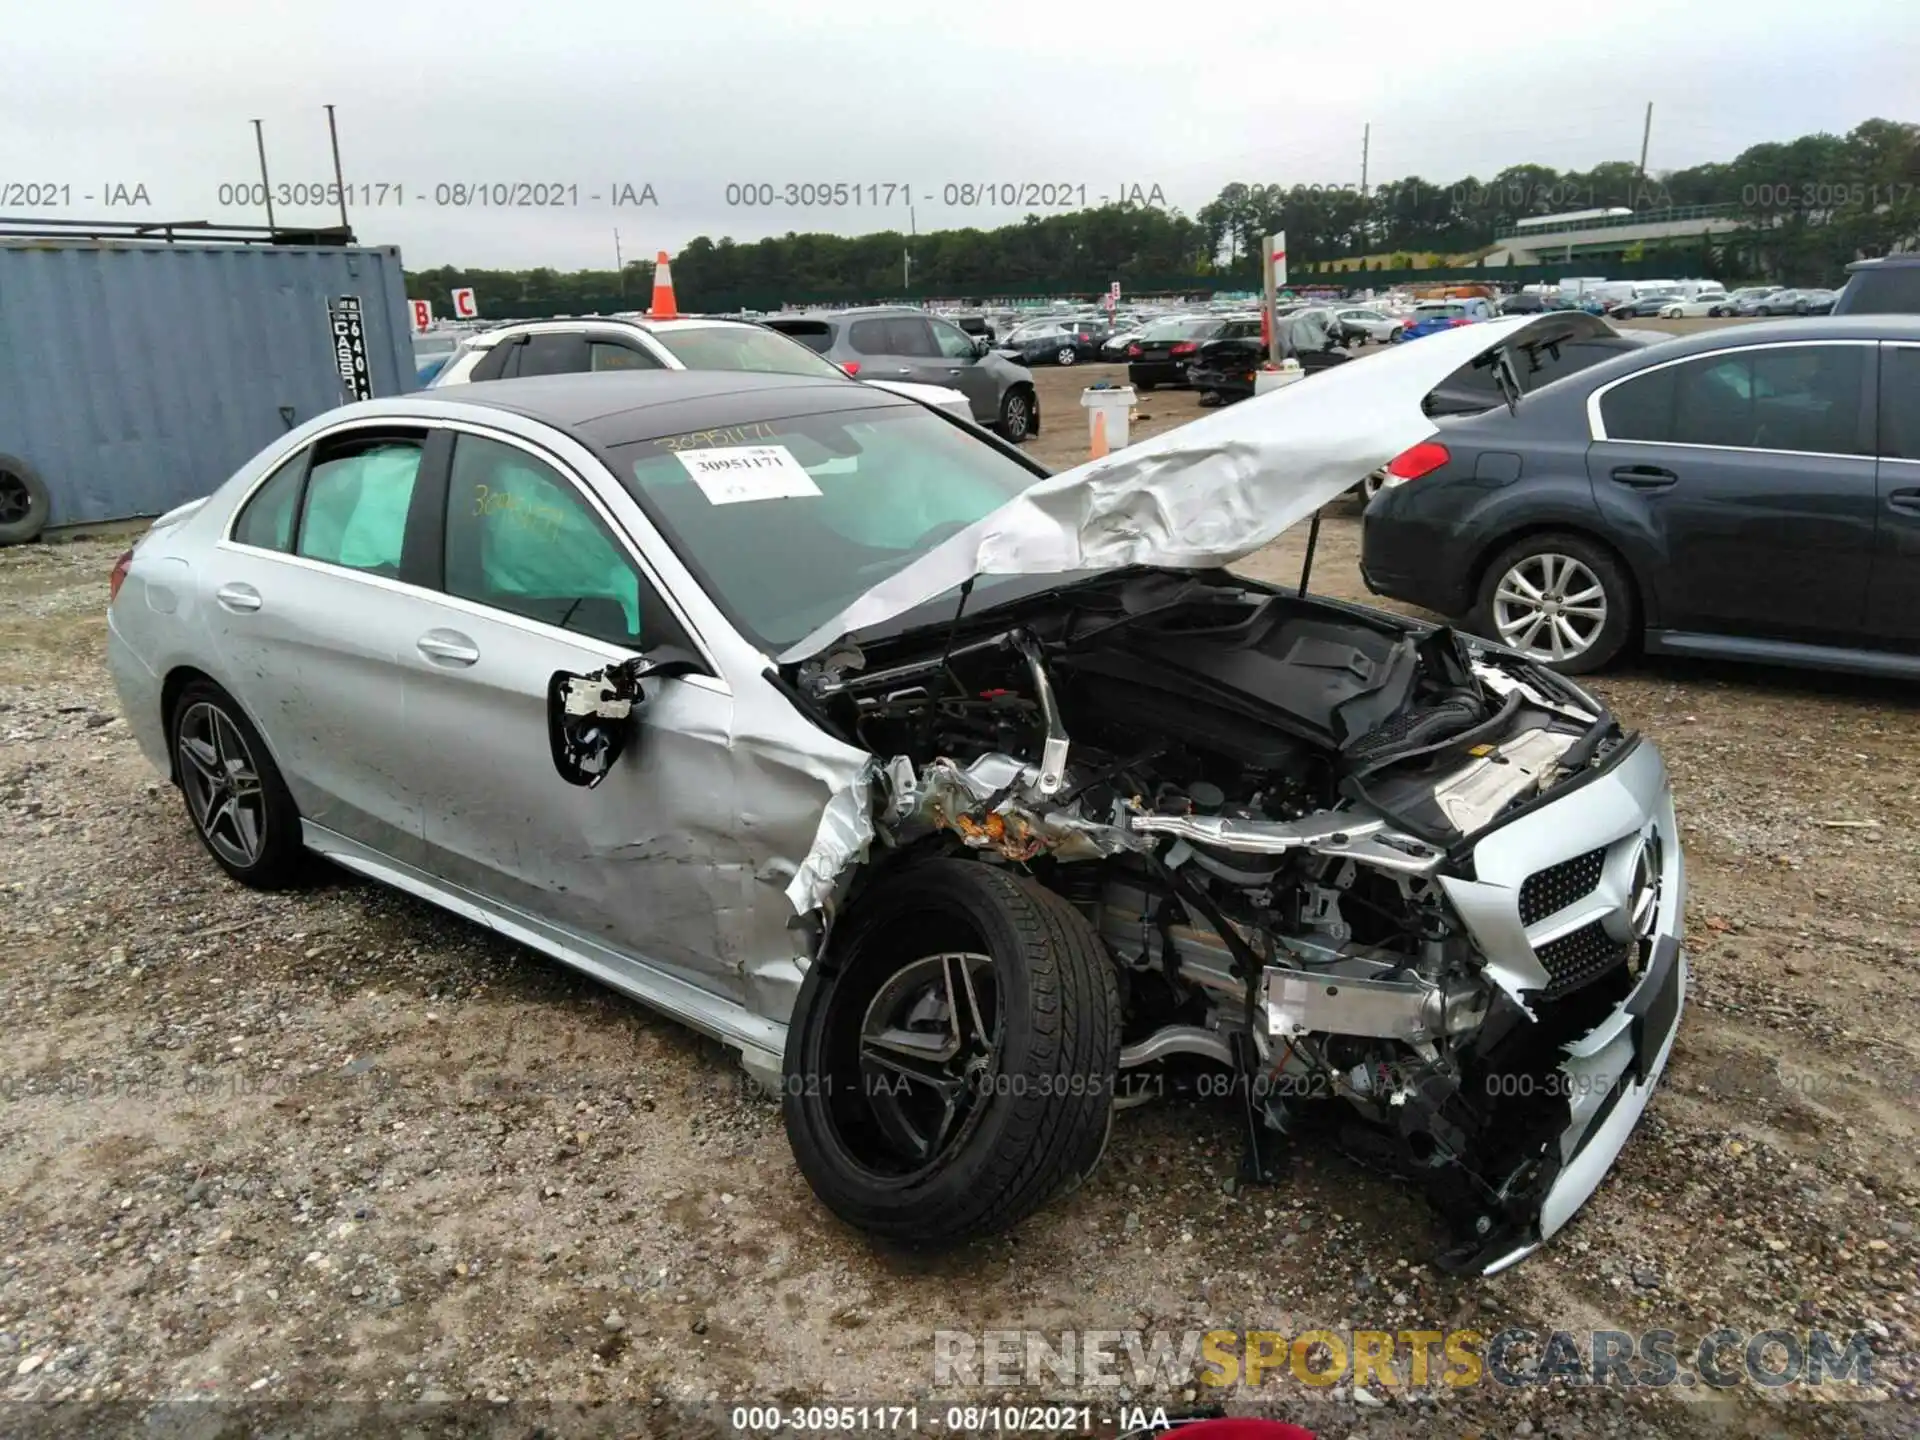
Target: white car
(1370,323)
(692,342)
(1711,302)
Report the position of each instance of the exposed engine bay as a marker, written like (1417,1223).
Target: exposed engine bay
(1258,800)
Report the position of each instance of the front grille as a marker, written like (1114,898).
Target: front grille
(1580,958)
(1549,891)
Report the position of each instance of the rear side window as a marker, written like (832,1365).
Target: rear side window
(266,521)
(611,355)
(1900,402)
(1801,398)
(869,337)
(357,497)
(563,354)
(743,347)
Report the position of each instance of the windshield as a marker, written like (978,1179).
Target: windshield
(743,347)
(787,522)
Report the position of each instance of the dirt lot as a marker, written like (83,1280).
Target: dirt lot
(333,1147)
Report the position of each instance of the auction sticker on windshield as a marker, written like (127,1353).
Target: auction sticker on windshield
(747,472)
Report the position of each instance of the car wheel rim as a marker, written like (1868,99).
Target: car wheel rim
(15,500)
(929,1048)
(222,784)
(1550,607)
(1066,356)
(1016,417)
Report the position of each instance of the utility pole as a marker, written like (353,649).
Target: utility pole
(266,185)
(339,183)
(1646,134)
(906,254)
(1366,144)
(619,265)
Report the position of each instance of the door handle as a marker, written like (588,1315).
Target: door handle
(1645,477)
(1906,501)
(449,647)
(238,597)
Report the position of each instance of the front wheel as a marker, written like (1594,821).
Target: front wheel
(1016,415)
(951,1061)
(1559,599)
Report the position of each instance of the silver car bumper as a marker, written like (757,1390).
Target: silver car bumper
(1558,896)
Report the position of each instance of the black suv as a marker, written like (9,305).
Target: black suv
(1888,286)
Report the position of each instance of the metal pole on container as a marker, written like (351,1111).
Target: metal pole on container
(266,185)
(339,184)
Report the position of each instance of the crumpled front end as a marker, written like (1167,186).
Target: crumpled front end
(1409,892)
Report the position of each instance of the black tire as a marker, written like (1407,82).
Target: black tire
(1066,355)
(1034,1119)
(1620,623)
(1017,415)
(278,860)
(1395,337)
(25,505)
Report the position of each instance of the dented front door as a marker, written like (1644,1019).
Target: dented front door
(637,863)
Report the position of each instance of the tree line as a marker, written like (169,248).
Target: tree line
(1805,208)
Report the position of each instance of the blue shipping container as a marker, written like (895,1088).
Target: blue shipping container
(135,377)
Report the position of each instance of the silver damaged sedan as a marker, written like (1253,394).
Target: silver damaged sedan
(969,804)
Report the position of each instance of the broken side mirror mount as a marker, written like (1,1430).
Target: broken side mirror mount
(591,717)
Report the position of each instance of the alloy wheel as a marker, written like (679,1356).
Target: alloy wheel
(222,783)
(1067,355)
(15,499)
(1550,607)
(1018,418)
(929,1043)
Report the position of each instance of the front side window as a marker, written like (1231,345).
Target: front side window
(357,498)
(954,343)
(744,347)
(550,354)
(612,355)
(788,521)
(522,539)
(266,521)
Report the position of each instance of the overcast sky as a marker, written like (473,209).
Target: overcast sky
(690,97)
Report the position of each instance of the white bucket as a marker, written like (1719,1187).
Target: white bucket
(1115,403)
(1288,373)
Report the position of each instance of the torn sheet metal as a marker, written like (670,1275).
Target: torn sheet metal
(1206,493)
(842,839)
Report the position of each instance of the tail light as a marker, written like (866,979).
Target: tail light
(1460,320)
(1184,347)
(118,577)
(1133,352)
(1423,459)
(852,367)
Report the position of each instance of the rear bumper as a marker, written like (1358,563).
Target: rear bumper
(1157,372)
(1409,557)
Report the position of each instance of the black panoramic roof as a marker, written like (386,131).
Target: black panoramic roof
(618,406)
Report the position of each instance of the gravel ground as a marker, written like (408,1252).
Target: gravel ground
(333,1146)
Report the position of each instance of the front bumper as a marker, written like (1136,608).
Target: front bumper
(1552,890)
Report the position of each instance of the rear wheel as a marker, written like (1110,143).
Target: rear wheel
(239,805)
(1395,337)
(1559,599)
(24,502)
(951,1060)
(1067,355)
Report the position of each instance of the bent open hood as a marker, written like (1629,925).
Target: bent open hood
(1208,492)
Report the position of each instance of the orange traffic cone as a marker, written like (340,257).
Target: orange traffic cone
(663,307)
(1099,435)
